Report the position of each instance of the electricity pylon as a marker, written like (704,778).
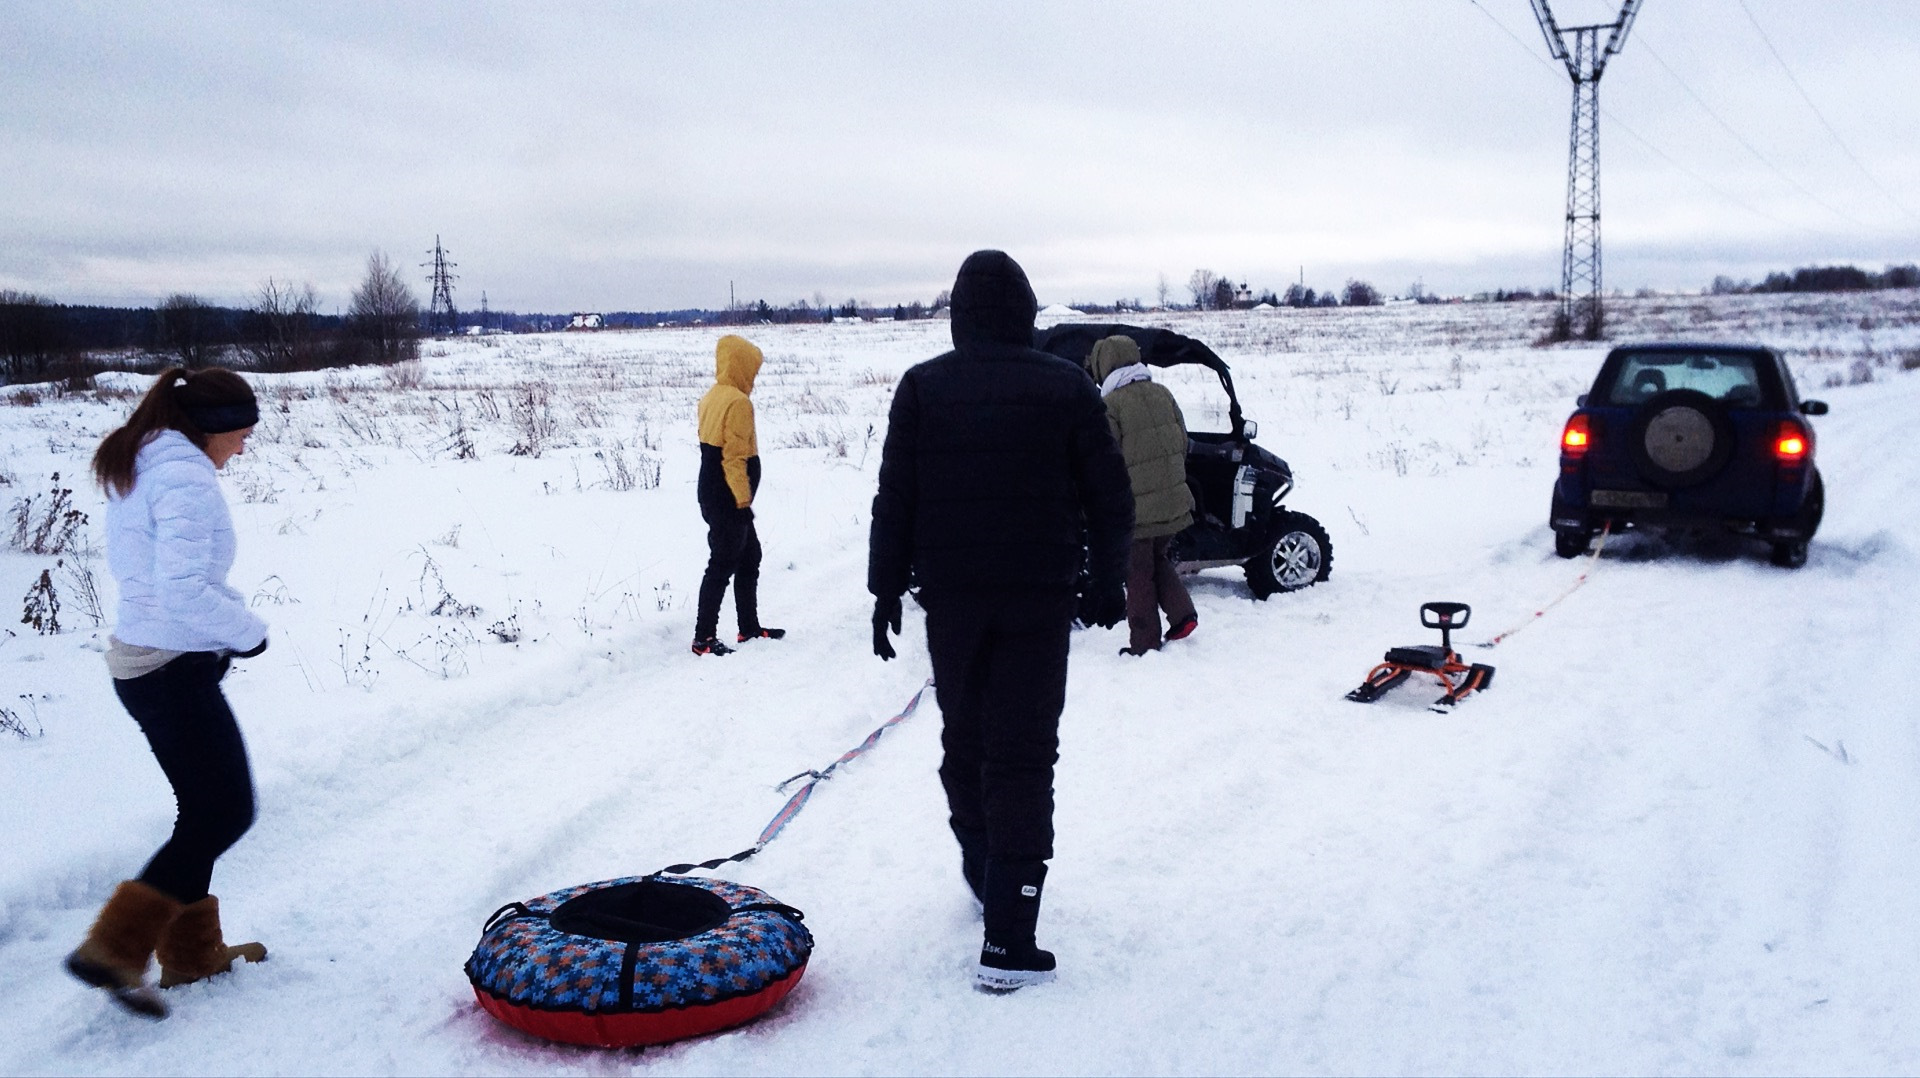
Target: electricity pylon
(1579,48)
(441,317)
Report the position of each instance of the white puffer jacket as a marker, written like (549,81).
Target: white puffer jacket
(170,544)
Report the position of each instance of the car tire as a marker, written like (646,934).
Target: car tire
(1792,553)
(1300,556)
(1568,542)
(1681,438)
(1571,544)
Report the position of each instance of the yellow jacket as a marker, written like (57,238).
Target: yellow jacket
(726,415)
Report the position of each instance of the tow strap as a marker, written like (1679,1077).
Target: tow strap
(1593,561)
(800,797)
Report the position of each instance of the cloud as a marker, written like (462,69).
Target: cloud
(643,156)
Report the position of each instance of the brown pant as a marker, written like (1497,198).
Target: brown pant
(1153,586)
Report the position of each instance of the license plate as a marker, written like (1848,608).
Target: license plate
(1629,499)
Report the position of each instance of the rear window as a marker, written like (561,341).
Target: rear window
(1733,377)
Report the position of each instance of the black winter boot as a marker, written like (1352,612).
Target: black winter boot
(1009,958)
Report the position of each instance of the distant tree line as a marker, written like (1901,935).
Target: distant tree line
(282,330)
(1824,279)
(1212,292)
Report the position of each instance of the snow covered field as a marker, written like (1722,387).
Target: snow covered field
(1678,835)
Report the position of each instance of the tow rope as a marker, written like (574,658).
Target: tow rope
(800,797)
(1593,560)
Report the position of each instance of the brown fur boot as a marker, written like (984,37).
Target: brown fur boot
(114,955)
(193,949)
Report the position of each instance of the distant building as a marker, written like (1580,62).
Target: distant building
(588,321)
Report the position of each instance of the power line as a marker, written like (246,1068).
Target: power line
(1748,146)
(1821,116)
(1614,119)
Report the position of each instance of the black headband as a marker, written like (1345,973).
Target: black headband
(223,418)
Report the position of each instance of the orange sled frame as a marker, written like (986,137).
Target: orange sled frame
(1441,662)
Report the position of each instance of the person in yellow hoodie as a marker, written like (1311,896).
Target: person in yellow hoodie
(729,477)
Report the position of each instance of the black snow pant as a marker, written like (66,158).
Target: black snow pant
(192,733)
(1000,674)
(733,554)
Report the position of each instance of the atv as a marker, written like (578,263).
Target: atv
(1238,488)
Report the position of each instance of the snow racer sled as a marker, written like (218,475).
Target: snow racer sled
(1441,661)
(1238,488)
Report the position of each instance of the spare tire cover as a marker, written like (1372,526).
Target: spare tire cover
(1681,437)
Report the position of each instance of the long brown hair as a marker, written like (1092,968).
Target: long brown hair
(165,408)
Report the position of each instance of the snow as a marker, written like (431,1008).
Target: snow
(1676,836)
(1058,310)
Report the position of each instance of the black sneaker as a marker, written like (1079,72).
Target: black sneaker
(762,633)
(1009,969)
(711,646)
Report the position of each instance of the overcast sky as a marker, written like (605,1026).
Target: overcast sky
(643,155)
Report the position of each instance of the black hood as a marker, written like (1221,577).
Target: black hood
(992,302)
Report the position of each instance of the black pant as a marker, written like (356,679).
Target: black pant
(1000,674)
(733,553)
(192,733)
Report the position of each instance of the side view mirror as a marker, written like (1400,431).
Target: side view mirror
(1813,407)
(1580,401)
(1252,429)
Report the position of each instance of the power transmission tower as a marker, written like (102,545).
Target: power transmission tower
(1579,48)
(441,317)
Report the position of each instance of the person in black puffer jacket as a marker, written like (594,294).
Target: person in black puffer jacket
(998,479)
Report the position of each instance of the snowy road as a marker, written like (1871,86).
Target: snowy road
(1677,836)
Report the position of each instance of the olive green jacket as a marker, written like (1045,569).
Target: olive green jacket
(1147,423)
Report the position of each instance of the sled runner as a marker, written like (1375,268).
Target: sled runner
(1440,661)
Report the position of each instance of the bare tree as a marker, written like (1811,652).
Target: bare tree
(187,329)
(29,336)
(1360,294)
(282,337)
(1163,290)
(1201,284)
(385,314)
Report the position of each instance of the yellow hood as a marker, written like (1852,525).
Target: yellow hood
(735,362)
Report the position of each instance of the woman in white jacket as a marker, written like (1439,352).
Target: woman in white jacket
(170,543)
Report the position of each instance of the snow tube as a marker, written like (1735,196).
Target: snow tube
(639,960)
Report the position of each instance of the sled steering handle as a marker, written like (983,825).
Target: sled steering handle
(1446,618)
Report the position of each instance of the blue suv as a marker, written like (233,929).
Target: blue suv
(1690,435)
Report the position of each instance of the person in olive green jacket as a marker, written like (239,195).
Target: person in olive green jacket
(1147,423)
(729,478)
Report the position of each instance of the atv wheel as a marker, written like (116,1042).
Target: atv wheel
(1571,544)
(1300,556)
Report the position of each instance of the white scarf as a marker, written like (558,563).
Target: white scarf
(1125,376)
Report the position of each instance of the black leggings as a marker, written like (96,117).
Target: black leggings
(192,733)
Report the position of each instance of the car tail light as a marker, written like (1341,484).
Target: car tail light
(1575,440)
(1790,442)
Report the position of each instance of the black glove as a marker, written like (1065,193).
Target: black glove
(746,513)
(252,651)
(1105,605)
(886,615)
